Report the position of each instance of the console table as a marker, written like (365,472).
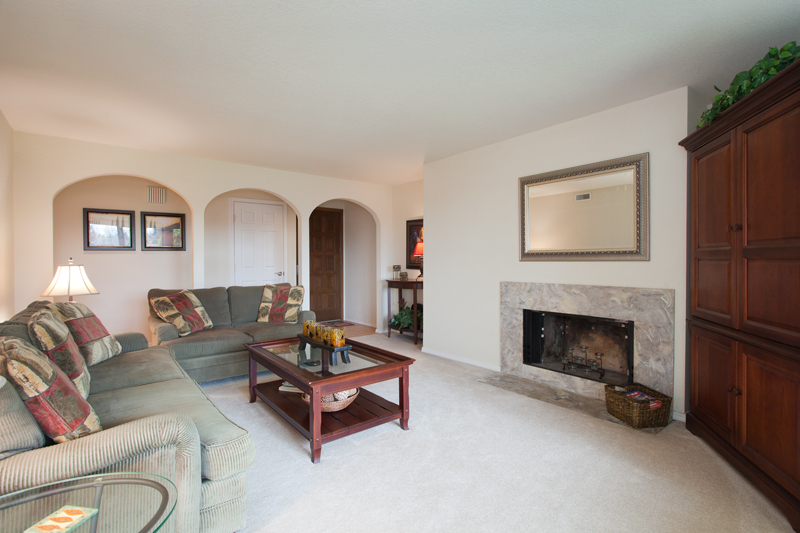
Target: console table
(401,284)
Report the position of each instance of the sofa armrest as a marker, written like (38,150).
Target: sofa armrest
(132,341)
(167,445)
(306,315)
(162,331)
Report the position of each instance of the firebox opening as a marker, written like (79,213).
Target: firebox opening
(594,348)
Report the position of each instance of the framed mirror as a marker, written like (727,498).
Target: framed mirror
(595,212)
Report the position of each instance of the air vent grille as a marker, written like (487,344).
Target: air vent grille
(156,195)
(583,196)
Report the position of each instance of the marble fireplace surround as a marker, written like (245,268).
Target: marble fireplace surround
(652,310)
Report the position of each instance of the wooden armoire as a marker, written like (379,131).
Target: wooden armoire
(744,287)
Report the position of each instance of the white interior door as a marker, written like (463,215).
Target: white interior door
(259,243)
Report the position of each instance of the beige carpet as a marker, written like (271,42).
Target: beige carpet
(479,458)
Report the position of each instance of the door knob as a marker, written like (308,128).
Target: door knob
(279,273)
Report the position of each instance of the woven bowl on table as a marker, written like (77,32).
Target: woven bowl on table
(335,402)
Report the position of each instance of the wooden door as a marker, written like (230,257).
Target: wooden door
(326,234)
(259,236)
(712,239)
(768,427)
(713,395)
(770,211)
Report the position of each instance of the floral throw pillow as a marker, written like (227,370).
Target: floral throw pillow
(49,333)
(50,396)
(280,303)
(183,310)
(94,341)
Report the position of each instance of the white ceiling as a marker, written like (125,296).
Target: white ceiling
(363,89)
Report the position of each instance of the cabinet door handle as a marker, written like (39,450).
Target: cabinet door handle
(737,227)
(734,390)
(730,388)
(730,227)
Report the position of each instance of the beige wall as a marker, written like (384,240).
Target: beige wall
(6,220)
(359,262)
(219,236)
(43,166)
(407,204)
(122,277)
(472,224)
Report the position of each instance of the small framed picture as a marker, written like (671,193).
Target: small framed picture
(414,238)
(108,229)
(163,231)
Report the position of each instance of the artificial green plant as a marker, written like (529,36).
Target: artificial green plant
(746,81)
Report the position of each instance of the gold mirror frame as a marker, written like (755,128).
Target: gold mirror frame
(639,251)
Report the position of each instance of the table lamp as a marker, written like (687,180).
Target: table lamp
(70,280)
(418,253)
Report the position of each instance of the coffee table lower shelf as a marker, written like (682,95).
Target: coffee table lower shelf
(367,410)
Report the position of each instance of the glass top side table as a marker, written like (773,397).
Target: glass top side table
(126,502)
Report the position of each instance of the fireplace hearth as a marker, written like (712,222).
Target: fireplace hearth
(594,348)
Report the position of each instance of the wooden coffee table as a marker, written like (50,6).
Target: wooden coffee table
(315,375)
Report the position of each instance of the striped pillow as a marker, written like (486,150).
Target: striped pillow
(52,399)
(94,341)
(53,338)
(184,311)
(280,303)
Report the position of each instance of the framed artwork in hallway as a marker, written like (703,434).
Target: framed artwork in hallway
(414,236)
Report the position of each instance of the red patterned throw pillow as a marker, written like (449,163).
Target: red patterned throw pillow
(183,310)
(94,341)
(280,303)
(50,396)
(49,333)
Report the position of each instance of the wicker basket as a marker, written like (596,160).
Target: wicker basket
(329,404)
(637,413)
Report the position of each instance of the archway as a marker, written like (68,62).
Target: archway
(219,240)
(359,262)
(123,277)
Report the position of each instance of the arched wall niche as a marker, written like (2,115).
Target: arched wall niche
(122,277)
(362,283)
(219,235)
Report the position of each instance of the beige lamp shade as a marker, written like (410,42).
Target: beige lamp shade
(70,280)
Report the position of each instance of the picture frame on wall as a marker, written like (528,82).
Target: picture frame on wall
(414,235)
(163,231)
(108,229)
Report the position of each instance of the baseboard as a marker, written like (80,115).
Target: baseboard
(681,417)
(437,353)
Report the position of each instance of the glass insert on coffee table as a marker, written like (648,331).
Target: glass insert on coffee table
(310,370)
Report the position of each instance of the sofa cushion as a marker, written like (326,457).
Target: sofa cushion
(132,369)
(95,342)
(53,338)
(214,301)
(220,339)
(184,311)
(244,302)
(280,303)
(19,431)
(266,331)
(225,448)
(55,403)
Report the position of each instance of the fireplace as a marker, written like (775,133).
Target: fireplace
(650,312)
(588,347)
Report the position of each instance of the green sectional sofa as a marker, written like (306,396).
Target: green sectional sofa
(155,419)
(219,352)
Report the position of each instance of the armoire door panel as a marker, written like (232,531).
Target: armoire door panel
(713,376)
(769,197)
(771,306)
(768,426)
(713,273)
